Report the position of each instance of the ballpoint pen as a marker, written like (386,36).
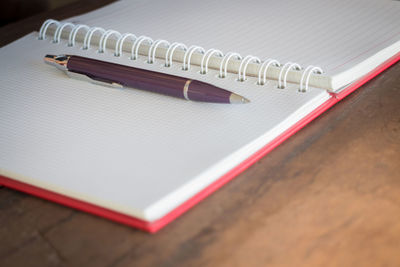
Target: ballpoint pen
(116,75)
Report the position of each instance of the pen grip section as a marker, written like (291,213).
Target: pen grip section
(128,76)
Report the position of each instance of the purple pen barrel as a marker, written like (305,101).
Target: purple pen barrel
(148,80)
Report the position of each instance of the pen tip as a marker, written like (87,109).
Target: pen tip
(237,99)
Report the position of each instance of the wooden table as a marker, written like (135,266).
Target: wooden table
(329,196)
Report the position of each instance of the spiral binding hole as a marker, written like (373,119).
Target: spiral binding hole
(188,55)
(152,50)
(45,26)
(306,76)
(285,69)
(104,37)
(243,66)
(265,65)
(217,76)
(170,52)
(73,33)
(224,63)
(206,57)
(89,35)
(120,42)
(136,45)
(58,32)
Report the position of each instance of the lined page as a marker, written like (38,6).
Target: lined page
(131,151)
(336,35)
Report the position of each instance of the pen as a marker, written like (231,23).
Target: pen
(116,75)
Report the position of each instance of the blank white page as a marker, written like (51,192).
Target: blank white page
(337,35)
(131,151)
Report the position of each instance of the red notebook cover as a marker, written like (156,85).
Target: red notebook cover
(154,226)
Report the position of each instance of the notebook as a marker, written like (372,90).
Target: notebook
(143,159)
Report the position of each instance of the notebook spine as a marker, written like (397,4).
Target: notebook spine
(267,69)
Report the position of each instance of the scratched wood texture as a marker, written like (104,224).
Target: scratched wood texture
(329,196)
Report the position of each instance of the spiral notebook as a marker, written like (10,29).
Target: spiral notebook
(143,159)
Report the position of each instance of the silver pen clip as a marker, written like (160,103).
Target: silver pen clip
(83,77)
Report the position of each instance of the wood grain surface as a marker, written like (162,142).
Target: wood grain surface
(329,196)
